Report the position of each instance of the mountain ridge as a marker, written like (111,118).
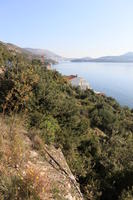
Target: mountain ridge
(47,54)
(34,53)
(127,57)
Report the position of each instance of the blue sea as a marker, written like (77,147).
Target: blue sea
(113,79)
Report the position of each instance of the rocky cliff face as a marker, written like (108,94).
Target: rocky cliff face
(39,166)
(58,172)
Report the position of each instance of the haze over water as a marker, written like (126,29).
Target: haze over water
(113,79)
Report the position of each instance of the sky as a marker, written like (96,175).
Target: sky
(71,28)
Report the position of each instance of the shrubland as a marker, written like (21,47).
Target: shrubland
(94,132)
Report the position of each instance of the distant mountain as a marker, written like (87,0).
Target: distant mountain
(128,57)
(32,53)
(35,53)
(46,53)
(15,48)
(86,59)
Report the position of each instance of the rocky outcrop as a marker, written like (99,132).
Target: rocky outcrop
(64,185)
(52,163)
(38,168)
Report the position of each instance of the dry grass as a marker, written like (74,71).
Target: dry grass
(36,181)
(37,142)
(12,147)
(19,180)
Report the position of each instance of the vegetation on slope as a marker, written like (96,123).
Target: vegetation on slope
(94,132)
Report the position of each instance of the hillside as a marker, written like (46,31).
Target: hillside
(93,132)
(28,169)
(128,57)
(51,57)
(125,58)
(33,53)
(86,59)
(48,54)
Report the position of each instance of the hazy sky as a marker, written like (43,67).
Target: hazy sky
(72,28)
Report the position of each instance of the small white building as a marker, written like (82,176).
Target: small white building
(82,83)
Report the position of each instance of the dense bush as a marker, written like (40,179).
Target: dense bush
(94,132)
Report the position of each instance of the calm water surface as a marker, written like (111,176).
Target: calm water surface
(114,79)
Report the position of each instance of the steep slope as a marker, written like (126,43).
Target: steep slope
(46,53)
(93,131)
(34,165)
(33,53)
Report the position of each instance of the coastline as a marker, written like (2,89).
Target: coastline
(113,80)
